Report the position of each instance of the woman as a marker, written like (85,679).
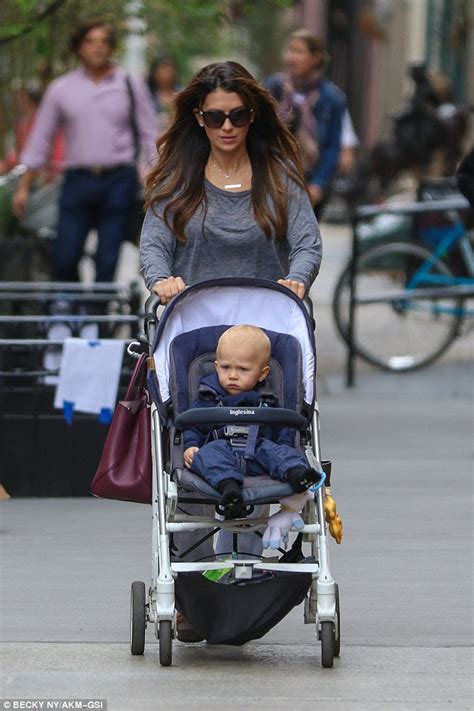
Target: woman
(227,198)
(228,184)
(313,107)
(163,88)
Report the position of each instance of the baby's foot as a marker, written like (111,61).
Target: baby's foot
(301,479)
(231,493)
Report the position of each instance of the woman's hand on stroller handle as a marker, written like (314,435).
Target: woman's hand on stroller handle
(168,288)
(295,286)
(172,286)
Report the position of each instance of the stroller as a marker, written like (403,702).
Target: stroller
(235,596)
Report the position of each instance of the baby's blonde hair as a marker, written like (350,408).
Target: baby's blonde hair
(253,335)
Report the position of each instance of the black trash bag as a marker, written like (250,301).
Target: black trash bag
(234,613)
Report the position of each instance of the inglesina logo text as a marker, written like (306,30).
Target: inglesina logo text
(241,412)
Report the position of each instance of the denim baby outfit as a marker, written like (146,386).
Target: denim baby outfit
(227,453)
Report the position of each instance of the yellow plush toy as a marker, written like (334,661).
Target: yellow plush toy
(333,519)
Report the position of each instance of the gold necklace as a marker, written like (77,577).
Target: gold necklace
(219,170)
(227,176)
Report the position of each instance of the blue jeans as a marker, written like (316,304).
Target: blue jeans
(105,202)
(217,460)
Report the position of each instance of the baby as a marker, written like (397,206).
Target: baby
(242,364)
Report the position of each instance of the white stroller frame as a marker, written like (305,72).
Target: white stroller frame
(321,604)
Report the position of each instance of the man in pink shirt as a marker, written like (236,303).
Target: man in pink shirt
(106,118)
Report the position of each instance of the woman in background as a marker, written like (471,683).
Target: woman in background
(163,87)
(313,108)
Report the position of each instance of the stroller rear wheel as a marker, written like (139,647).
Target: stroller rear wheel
(166,643)
(137,617)
(328,643)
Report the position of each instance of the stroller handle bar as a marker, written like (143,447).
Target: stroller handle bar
(151,304)
(239,415)
(150,319)
(153,301)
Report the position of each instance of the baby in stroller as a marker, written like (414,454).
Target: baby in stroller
(223,456)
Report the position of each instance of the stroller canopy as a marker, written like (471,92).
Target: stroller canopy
(230,301)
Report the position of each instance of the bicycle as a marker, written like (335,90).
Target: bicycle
(408,306)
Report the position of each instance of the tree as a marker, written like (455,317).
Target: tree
(34,35)
(260,31)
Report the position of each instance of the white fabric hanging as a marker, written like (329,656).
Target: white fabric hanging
(89,375)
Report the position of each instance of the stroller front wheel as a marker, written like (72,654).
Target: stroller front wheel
(137,617)
(166,643)
(327,644)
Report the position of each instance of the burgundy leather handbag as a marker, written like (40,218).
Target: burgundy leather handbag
(124,470)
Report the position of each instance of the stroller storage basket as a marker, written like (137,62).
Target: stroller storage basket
(237,613)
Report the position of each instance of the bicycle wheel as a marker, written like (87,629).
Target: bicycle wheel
(396,334)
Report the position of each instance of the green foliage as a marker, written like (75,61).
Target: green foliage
(20,17)
(263,32)
(184,30)
(26,6)
(33,31)
(12,30)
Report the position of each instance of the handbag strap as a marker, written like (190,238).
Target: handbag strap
(137,382)
(133,116)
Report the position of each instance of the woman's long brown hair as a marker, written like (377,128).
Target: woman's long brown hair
(178,177)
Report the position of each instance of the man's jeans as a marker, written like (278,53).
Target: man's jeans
(104,201)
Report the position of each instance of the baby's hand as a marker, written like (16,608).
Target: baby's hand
(189,455)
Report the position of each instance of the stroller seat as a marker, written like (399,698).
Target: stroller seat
(192,356)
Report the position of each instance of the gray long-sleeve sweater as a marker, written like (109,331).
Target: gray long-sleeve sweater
(232,244)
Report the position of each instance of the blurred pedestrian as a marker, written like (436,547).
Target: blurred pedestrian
(106,116)
(456,122)
(349,146)
(163,85)
(313,108)
(27,99)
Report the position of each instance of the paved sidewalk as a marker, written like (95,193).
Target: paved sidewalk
(403,482)
(401,447)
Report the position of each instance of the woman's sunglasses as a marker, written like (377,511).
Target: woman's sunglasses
(216,119)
